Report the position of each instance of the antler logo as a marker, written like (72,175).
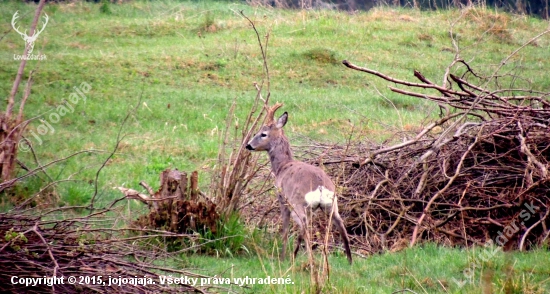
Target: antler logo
(28,39)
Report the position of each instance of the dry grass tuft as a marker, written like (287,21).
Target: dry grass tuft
(491,23)
(322,55)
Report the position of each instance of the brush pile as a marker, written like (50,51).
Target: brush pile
(478,174)
(34,250)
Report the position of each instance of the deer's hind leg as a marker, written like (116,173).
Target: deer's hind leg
(339,224)
(299,215)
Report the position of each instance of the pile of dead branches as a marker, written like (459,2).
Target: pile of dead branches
(478,174)
(99,259)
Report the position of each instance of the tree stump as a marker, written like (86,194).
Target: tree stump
(177,206)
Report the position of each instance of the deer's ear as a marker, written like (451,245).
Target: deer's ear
(281,122)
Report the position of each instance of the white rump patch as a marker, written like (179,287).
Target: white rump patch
(320,196)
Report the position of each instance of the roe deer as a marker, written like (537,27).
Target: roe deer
(299,185)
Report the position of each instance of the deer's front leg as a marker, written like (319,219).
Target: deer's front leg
(285,215)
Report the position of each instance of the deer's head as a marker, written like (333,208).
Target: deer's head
(270,133)
(28,39)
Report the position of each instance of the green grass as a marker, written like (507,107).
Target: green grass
(187,61)
(423,269)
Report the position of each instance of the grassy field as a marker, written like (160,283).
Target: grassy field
(188,61)
(423,269)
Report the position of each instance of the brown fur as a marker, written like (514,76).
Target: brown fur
(294,179)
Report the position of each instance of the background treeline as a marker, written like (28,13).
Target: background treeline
(532,7)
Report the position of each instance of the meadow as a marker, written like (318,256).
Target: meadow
(184,63)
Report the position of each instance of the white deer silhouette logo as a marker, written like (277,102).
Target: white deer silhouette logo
(28,39)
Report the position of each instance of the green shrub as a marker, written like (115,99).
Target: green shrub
(229,238)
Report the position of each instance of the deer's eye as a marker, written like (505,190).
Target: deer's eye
(263,135)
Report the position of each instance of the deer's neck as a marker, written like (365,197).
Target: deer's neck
(280,155)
